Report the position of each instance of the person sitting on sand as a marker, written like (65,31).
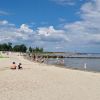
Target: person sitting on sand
(13,66)
(19,66)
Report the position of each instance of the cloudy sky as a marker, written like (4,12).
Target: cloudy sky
(55,25)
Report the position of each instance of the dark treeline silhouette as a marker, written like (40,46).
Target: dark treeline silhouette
(6,47)
(37,49)
(18,48)
(15,48)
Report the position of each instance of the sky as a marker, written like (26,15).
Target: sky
(55,25)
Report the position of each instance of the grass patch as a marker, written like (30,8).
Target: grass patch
(3,57)
(0,56)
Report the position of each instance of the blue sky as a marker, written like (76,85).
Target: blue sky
(55,25)
(38,11)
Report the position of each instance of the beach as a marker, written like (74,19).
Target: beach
(46,82)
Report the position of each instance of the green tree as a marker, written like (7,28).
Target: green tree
(16,48)
(41,49)
(9,46)
(4,47)
(23,48)
(20,48)
(37,49)
(0,47)
(30,49)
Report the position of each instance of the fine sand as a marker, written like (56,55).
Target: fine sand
(42,82)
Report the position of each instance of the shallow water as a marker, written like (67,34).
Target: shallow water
(91,64)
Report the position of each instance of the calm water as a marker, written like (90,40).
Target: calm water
(92,64)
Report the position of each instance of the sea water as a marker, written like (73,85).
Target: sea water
(85,63)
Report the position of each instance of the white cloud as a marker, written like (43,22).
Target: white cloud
(25,28)
(8,32)
(51,34)
(42,36)
(86,31)
(3,22)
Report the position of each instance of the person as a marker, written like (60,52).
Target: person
(42,60)
(19,66)
(13,66)
(85,66)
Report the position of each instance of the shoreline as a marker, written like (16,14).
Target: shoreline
(73,67)
(50,65)
(61,66)
(70,68)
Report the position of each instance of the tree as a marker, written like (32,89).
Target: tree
(9,46)
(37,49)
(0,47)
(23,48)
(4,47)
(20,48)
(30,49)
(41,49)
(16,48)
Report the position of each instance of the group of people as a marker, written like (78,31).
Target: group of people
(38,58)
(14,66)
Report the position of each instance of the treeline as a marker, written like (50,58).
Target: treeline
(19,48)
(36,50)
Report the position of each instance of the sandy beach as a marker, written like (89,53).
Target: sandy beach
(43,82)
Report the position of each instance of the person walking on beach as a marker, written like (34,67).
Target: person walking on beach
(13,66)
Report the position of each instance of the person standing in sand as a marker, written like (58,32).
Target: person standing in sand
(13,66)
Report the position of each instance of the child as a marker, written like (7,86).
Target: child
(13,66)
(19,66)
